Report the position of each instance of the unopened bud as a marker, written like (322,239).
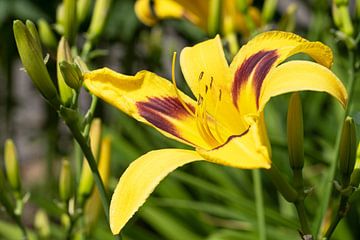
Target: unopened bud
(214,18)
(83,7)
(355,178)
(268,10)
(42,225)
(47,36)
(336,14)
(98,19)
(242,5)
(347,153)
(86,179)
(71,74)
(70,20)
(65,181)
(34,33)
(295,132)
(33,62)
(12,165)
(59,26)
(63,54)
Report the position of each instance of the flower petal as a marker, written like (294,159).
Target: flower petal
(248,150)
(259,56)
(140,179)
(149,99)
(299,76)
(149,12)
(206,71)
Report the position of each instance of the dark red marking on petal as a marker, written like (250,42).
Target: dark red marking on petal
(243,73)
(262,70)
(231,137)
(156,110)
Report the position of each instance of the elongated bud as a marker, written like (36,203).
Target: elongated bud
(71,74)
(355,176)
(268,10)
(336,14)
(86,180)
(42,225)
(47,36)
(214,17)
(32,59)
(70,20)
(60,16)
(93,204)
(343,15)
(347,153)
(32,29)
(12,165)
(83,8)
(98,19)
(63,54)
(65,181)
(295,132)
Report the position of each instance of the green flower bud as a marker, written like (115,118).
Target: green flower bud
(346,24)
(12,165)
(47,36)
(60,16)
(98,19)
(86,179)
(355,178)
(71,74)
(83,8)
(214,18)
(32,59)
(347,153)
(65,181)
(42,225)
(336,14)
(32,29)
(63,54)
(268,10)
(70,20)
(295,132)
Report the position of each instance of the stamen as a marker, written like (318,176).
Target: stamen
(176,89)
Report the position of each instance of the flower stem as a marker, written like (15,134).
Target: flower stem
(259,201)
(343,209)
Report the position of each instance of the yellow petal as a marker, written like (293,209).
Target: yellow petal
(206,71)
(149,12)
(140,179)
(149,99)
(300,76)
(259,56)
(249,150)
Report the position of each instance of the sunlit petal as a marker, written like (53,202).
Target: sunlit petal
(300,76)
(149,99)
(140,179)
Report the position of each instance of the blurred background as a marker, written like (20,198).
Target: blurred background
(200,201)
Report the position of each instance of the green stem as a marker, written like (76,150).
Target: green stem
(282,185)
(92,163)
(259,201)
(331,174)
(343,208)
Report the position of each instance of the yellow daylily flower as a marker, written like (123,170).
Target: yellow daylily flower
(197,12)
(225,123)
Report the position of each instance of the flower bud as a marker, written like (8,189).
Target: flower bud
(268,10)
(346,24)
(355,178)
(32,59)
(47,36)
(241,5)
(86,179)
(347,151)
(12,165)
(32,29)
(93,205)
(214,18)
(98,19)
(83,7)
(42,225)
(70,20)
(60,15)
(71,74)
(65,181)
(295,132)
(336,14)
(63,54)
